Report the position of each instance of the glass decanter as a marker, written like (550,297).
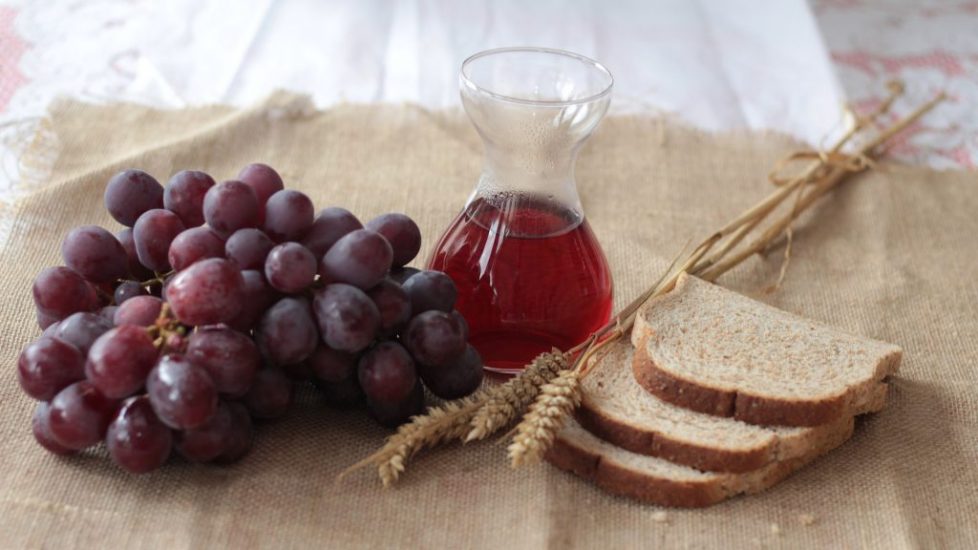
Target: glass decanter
(530,273)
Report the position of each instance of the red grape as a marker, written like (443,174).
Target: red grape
(239,441)
(137,440)
(207,441)
(128,289)
(329,226)
(136,270)
(288,215)
(194,244)
(401,274)
(79,416)
(248,247)
(290,268)
(361,258)
(183,394)
(95,254)
(463,325)
(207,293)
(401,232)
(431,290)
(335,374)
(119,361)
(229,357)
(47,366)
(264,180)
(108,313)
(270,395)
(257,297)
(52,329)
(82,329)
(131,193)
(434,338)
(229,206)
(287,333)
(59,292)
(457,379)
(153,233)
(348,319)
(141,311)
(184,196)
(393,414)
(387,373)
(41,427)
(393,304)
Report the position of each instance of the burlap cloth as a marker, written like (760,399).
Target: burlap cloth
(891,255)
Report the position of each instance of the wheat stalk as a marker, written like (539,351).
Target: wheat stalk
(534,435)
(508,401)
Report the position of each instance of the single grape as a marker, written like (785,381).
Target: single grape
(131,193)
(79,416)
(95,254)
(392,303)
(457,379)
(192,245)
(137,440)
(40,425)
(82,329)
(265,181)
(153,233)
(108,313)
(229,357)
(141,311)
(329,226)
(183,394)
(430,290)
(257,297)
(387,373)
(393,414)
(47,366)
(287,333)
(59,292)
(463,325)
(229,206)
(184,196)
(434,338)
(270,395)
(207,441)
(335,374)
(290,268)
(401,232)
(239,440)
(51,330)
(288,215)
(248,247)
(401,274)
(120,360)
(136,270)
(45,320)
(127,290)
(348,319)
(207,293)
(361,258)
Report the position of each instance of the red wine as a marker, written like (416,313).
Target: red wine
(530,275)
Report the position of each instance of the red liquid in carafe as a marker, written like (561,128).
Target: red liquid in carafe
(530,276)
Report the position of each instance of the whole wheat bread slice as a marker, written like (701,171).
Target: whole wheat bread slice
(662,482)
(715,351)
(615,408)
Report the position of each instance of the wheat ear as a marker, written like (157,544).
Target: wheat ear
(508,401)
(534,435)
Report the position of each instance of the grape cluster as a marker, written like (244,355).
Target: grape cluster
(216,299)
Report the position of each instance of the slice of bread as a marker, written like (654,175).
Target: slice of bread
(712,350)
(662,482)
(615,408)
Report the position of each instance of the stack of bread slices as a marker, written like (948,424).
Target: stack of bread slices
(717,395)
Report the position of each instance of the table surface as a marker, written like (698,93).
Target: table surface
(788,66)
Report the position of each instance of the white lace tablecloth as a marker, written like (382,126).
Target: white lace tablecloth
(787,65)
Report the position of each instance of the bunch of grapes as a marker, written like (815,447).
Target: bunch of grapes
(202,314)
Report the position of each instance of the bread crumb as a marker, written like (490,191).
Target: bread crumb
(775,529)
(660,516)
(806,519)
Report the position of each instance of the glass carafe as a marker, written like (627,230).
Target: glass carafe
(530,273)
